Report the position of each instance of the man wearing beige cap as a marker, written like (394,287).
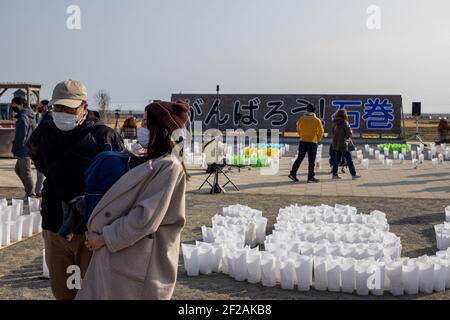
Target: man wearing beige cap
(62,150)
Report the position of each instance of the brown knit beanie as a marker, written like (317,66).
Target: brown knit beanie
(171,115)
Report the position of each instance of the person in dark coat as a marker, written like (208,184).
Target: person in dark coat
(62,149)
(342,143)
(25,125)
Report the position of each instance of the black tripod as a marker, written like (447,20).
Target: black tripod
(117,115)
(418,137)
(216,168)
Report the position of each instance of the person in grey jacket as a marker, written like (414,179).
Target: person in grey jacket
(25,125)
(342,143)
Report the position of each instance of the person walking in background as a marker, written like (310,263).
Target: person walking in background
(62,149)
(342,143)
(138,222)
(44,116)
(25,125)
(310,130)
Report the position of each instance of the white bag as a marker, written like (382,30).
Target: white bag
(287,274)
(37,222)
(426,277)
(365,164)
(190,258)
(240,265)
(6,214)
(377,271)
(320,274)
(6,233)
(333,276)
(207,234)
(445,262)
(15,210)
(3,203)
(254,267)
(304,271)
(16,230)
(217,258)
(362,277)
(268,270)
(261,225)
(411,277)
(27,228)
(439,278)
(34,205)
(18,202)
(205,258)
(377,154)
(348,276)
(394,272)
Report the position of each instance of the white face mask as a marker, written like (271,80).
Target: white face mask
(65,121)
(143,136)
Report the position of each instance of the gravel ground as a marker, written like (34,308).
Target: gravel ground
(411,219)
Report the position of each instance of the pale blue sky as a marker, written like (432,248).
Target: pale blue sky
(147,49)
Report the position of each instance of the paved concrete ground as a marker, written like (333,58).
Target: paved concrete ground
(402,180)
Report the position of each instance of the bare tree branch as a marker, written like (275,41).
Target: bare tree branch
(103,100)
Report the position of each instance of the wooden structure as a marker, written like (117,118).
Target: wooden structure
(28,88)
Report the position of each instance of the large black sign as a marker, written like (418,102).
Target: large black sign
(371,114)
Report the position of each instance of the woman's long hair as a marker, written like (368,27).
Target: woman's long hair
(130,123)
(161,143)
(341,115)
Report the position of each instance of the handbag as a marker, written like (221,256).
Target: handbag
(351,145)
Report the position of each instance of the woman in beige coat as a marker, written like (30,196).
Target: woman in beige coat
(135,229)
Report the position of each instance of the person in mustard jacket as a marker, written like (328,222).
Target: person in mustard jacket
(135,229)
(310,130)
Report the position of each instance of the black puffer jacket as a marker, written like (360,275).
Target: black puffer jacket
(63,158)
